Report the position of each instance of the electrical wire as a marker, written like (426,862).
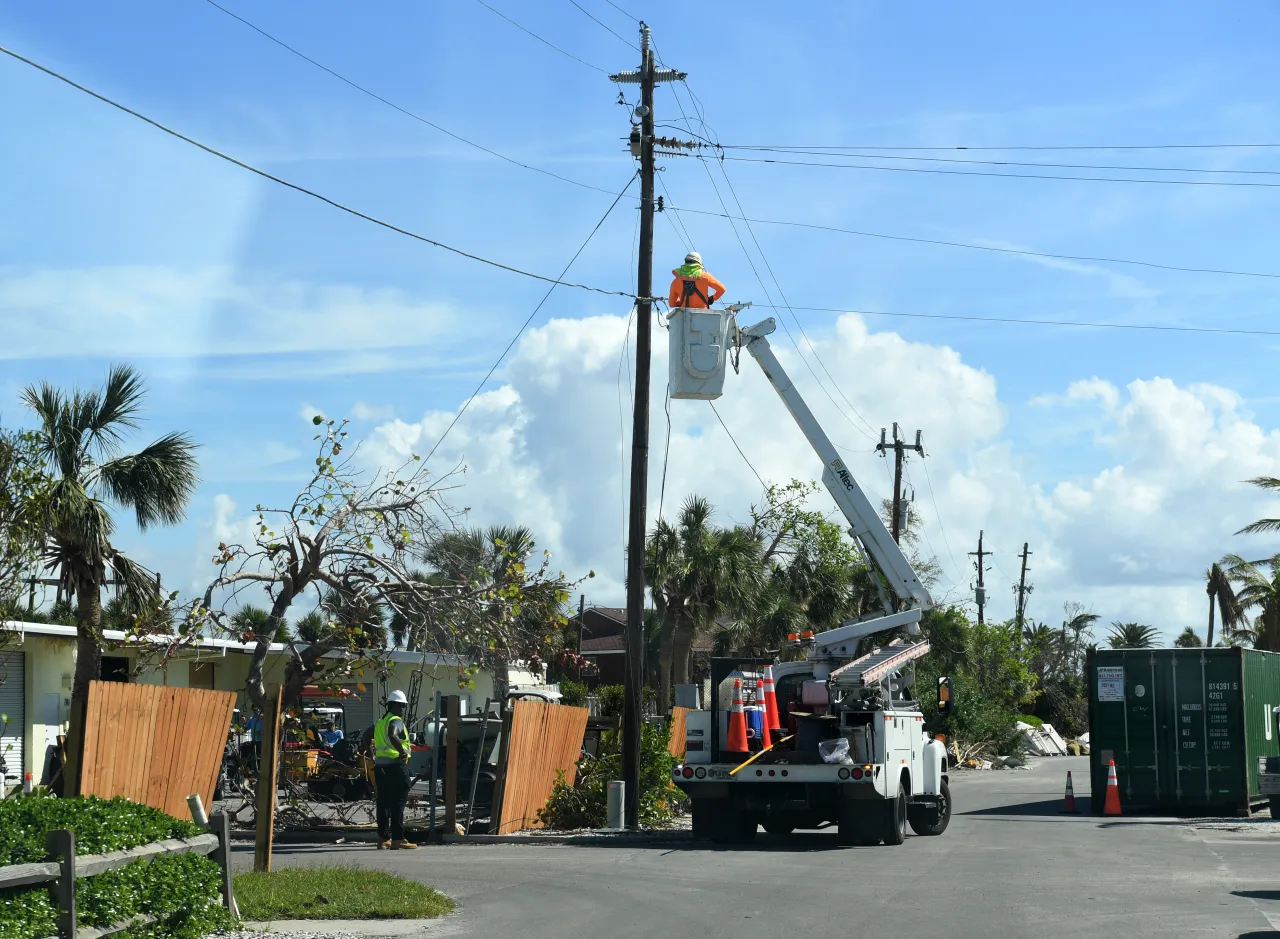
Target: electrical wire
(529,319)
(666,449)
(1079,179)
(1037,322)
(937,510)
(545,42)
(622,11)
(405,111)
(735,444)
(1154,146)
(998,250)
(607,29)
(1060,166)
(555,282)
(674,219)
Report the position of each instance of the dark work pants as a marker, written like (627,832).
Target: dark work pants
(393,784)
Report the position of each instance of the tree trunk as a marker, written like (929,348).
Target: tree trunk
(501,681)
(664,664)
(88,638)
(682,650)
(1208,638)
(254,688)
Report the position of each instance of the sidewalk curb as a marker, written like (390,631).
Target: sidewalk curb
(357,927)
(361,836)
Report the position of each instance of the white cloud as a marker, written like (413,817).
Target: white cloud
(362,411)
(207,311)
(1129,537)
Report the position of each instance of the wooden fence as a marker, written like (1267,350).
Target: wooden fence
(153,744)
(64,869)
(544,739)
(678,732)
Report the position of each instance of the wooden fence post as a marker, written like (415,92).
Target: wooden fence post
(451,767)
(220,825)
(500,784)
(61,845)
(266,808)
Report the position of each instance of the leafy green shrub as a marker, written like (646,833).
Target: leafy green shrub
(185,890)
(1030,719)
(611,700)
(585,803)
(573,693)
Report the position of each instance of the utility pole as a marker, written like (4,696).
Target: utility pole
(1023,589)
(898,447)
(646,77)
(981,593)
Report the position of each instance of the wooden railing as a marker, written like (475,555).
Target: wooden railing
(63,869)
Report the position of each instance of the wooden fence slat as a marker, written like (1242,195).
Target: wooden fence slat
(89,741)
(134,721)
(219,731)
(97,714)
(679,730)
(185,747)
(108,718)
(161,749)
(19,875)
(545,738)
(213,740)
(144,742)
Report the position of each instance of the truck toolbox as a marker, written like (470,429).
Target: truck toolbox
(1187,728)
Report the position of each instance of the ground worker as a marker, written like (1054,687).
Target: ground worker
(390,741)
(693,286)
(330,735)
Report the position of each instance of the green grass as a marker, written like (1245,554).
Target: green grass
(335,893)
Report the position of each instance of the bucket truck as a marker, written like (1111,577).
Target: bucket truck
(855,753)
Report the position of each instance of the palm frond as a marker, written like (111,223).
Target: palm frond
(105,413)
(156,482)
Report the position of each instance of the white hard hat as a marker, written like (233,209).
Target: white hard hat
(397,697)
(693,257)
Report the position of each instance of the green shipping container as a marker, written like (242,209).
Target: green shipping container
(1185,726)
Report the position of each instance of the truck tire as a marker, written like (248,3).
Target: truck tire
(924,820)
(1275,806)
(895,818)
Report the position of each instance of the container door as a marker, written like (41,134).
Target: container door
(1144,779)
(1224,776)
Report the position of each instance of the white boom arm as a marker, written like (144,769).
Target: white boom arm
(864,522)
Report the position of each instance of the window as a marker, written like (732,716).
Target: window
(115,668)
(203,675)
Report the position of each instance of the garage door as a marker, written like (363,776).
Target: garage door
(13,704)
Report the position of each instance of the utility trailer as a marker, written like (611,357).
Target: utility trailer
(855,753)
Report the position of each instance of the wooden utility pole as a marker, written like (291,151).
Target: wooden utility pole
(981,593)
(1023,589)
(898,446)
(266,794)
(646,77)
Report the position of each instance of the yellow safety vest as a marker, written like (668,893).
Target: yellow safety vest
(383,746)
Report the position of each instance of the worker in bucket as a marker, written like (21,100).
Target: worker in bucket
(693,286)
(390,740)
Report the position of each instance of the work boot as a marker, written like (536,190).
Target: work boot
(403,845)
(384,845)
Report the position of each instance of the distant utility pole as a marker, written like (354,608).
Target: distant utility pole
(1023,590)
(646,77)
(899,445)
(981,593)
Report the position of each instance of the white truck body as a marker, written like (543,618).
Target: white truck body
(894,773)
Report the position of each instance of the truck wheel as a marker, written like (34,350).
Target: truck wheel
(931,821)
(895,817)
(1275,806)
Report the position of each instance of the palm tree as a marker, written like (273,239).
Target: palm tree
(697,574)
(1188,639)
(251,621)
(309,628)
(1223,598)
(79,438)
(362,618)
(1132,636)
(1263,524)
(1259,589)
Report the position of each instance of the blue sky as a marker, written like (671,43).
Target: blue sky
(248,306)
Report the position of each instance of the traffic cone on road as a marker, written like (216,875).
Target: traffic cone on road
(771,721)
(1112,806)
(737,742)
(1069,800)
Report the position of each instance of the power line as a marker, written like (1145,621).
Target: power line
(938,512)
(735,443)
(1154,146)
(666,449)
(1080,179)
(529,319)
(976,247)
(545,42)
(405,111)
(1035,322)
(607,29)
(308,192)
(1064,166)
(622,11)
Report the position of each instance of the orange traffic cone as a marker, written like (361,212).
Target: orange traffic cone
(1112,806)
(771,721)
(737,742)
(1069,801)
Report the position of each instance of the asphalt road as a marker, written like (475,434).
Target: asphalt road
(1009,865)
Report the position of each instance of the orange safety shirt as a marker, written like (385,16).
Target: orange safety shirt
(703,283)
